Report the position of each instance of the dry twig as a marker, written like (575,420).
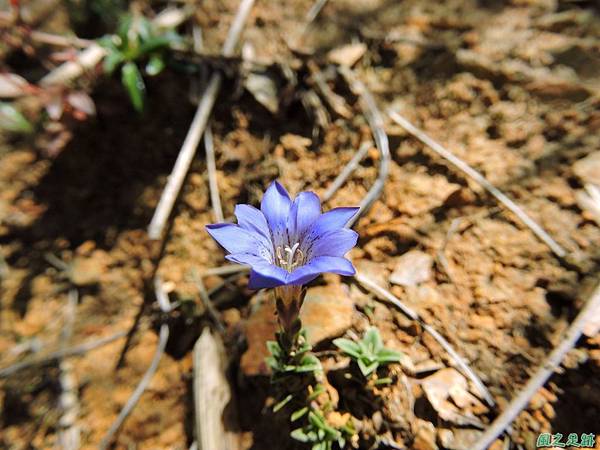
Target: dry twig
(211,388)
(480,179)
(68,433)
(520,402)
(190,144)
(375,121)
(347,170)
(211,166)
(62,353)
(139,390)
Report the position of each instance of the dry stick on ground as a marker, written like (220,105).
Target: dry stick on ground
(167,201)
(62,353)
(461,165)
(211,166)
(163,337)
(314,11)
(68,433)
(520,402)
(188,149)
(212,394)
(461,364)
(347,170)
(205,297)
(373,116)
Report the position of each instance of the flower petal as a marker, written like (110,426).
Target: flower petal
(235,239)
(275,205)
(260,281)
(253,220)
(333,219)
(305,209)
(263,274)
(318,265)
(334,243)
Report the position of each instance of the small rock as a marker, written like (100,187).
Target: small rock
(87,271)
(347,55)
(376,272)
(438,388)
(264,90)
(327,312)
(588,168)
(425,437)
(459,438)
(537,401)
(295,142)
(592,323)
(412,268)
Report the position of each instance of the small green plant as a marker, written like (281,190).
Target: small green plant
(369,353)
(137,41)
(318,431)
(291,356)
(11,120)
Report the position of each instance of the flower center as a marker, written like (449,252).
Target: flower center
(290,257)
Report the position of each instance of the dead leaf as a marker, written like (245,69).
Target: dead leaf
(12,85)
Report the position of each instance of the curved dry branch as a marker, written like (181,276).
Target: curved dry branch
(139,390)
(520,402)
(375,120)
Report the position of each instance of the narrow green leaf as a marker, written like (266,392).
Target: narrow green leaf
(316,419)
(386,355)
(274,348)
(153,44)
(155,65)
(134,83)
(347,346)
(272,363)
(373,340)
(299,413)
(300,435)
(318,390)
(282,403)
(112,60)
(12,120)
(367,369)
(382,381)
(309,363)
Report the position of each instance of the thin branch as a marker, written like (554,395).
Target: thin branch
(59,40)
(314,11)
(139,390)
(458,360)
(212,174)
(225,270)
(62,353)
(375,120)
(520,402)
(347,170)
(190,144)
(184,159)
(69,433)
(479,178)
(208,305)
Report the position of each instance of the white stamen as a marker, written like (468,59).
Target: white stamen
(291,252)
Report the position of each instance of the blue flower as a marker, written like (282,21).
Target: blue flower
(287,243)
